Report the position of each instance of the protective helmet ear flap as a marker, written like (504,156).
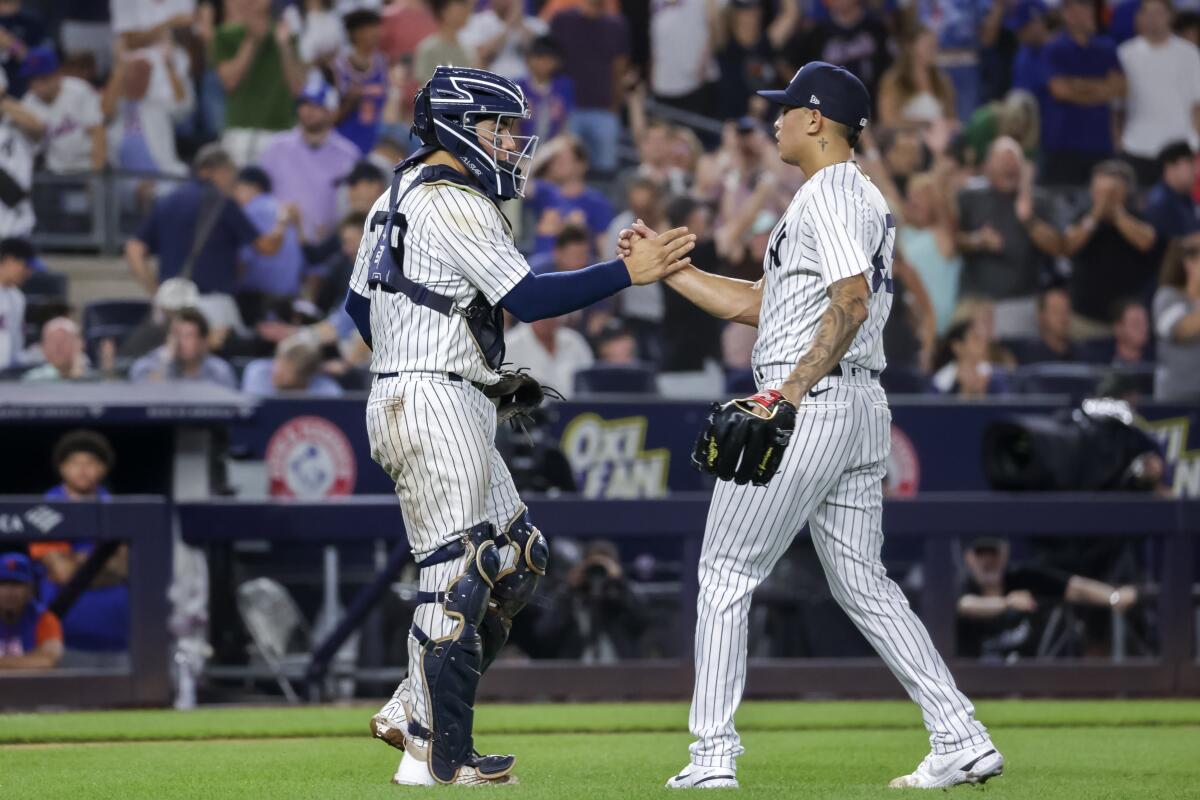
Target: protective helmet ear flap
(422,126)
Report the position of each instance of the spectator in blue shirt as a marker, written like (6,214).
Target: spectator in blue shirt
(266,277)
(96,629)
(197,230)
(550,93)
(20,32)
(185,356)
(564,195)
(1028,21)
(1084,78)
(1169,205)
(295,368)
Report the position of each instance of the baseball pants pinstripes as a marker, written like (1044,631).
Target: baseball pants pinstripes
(436,439)
(831,477)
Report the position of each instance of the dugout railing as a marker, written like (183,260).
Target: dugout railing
(145,524)
(938,522)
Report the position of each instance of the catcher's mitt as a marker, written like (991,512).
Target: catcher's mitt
(516,394)
(744,440)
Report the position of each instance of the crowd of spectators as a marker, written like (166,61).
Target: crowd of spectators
(1040,159)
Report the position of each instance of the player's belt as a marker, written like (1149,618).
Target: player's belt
(839,372)
(454,376)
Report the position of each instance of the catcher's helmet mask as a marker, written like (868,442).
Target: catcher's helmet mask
(447,112)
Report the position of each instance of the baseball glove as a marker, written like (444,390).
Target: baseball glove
(744,440)
(516,394)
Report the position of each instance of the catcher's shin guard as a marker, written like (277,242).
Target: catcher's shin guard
(515,584)
(451,664)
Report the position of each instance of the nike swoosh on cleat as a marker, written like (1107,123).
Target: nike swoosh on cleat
(713,778)
(967,767)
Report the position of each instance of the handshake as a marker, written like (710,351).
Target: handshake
(651,256)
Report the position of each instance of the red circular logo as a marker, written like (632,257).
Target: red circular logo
(309,457)
(903,468)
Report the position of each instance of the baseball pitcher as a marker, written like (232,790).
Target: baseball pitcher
(812,445)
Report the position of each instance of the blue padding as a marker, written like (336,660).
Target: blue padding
(359,309)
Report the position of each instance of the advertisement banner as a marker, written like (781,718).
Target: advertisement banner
(629,449)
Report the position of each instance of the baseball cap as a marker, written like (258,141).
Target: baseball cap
(1025,12)
(832,90)
(176,293)
(320,93)
(39,61)
(746,124)
(16,567)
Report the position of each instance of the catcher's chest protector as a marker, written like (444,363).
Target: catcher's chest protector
(484,321)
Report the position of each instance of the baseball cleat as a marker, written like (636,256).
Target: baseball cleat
(390,723)
(938,771)
(478,771)
(695,777)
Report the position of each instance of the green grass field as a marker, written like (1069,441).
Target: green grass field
(1092,750)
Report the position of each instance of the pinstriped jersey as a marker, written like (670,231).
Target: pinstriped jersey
(455,243)
(837,226)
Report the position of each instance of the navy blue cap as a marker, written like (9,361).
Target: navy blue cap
(39,61)
(832,90)
(16,567)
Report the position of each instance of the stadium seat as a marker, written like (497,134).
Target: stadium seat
(631,379)
(46,285)
(739,381)
(902,379)
(1076,380)
(111,319)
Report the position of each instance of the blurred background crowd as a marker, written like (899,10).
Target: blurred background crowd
(1040,158)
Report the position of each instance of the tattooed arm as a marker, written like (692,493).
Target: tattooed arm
(847,311)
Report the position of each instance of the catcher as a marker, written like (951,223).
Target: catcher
(436,268)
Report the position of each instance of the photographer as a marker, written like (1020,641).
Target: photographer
(1000,610)
(596,616)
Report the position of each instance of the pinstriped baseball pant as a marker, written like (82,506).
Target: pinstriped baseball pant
(436,439)
(832,478)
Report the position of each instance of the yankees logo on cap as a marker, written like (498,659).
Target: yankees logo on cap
(835,91)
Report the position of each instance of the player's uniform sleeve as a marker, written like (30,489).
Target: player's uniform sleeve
(475,242)
(840,230)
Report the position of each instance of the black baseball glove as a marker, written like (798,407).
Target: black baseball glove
(744,440)
(516,394)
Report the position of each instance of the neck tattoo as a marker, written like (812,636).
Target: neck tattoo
(822,141)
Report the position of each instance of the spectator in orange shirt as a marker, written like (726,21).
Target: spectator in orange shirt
(30,636)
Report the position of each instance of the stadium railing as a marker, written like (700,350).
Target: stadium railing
(145,524)
(938,521)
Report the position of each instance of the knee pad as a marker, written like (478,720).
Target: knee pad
(514,585)
(452,664)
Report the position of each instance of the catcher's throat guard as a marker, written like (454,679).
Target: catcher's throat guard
(744,440)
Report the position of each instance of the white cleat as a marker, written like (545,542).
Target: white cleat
(694,777)
(973,765)
(390,723)
(413,771)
